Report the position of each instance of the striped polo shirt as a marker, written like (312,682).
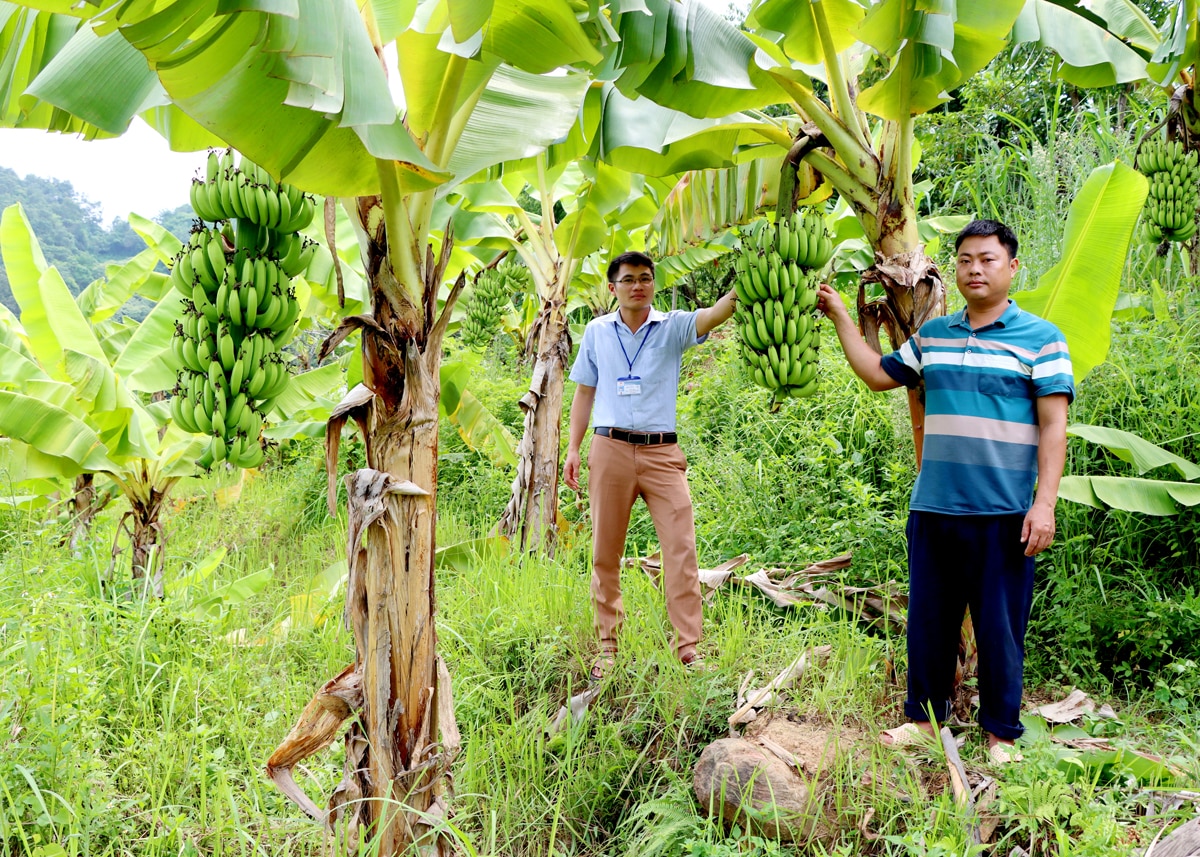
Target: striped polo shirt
(981,424)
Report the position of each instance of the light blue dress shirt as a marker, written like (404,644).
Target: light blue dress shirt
(655,351)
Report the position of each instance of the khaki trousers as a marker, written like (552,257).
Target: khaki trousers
(621,472)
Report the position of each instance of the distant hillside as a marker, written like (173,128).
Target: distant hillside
(70,232)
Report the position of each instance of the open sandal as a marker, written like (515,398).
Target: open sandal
(1003,754)
(906,735)
(694,662)
(601,667)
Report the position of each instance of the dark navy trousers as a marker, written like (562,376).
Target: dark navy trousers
(955,561)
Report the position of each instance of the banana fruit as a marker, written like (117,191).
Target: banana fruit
(1174,193)
(778,270)
(492,298)
(239,306)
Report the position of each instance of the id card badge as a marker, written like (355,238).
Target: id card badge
(630,385)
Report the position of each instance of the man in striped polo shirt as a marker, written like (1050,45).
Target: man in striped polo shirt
(997,384)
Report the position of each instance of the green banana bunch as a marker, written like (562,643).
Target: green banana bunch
(1174,192)
(777,274)
(493,296)
(239,306)
(248,192)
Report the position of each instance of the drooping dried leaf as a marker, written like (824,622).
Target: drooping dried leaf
(318,725)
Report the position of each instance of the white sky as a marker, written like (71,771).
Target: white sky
(136,172)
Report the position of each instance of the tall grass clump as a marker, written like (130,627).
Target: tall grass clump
(1121,608)
(138,726)
(816,478)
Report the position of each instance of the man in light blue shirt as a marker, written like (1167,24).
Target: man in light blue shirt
(627,373)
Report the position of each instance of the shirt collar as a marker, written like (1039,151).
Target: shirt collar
(656,315)
(1006,318)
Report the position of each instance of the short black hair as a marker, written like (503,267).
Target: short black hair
(634,258)
(984,228)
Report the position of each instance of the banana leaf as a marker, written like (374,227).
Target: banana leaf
(49,314)
(478,427)
(309,388)
(52,431)
(1091,55)
(935,48)
(1136,450)
(1130,494)
(145,363)
(1079,293)
(16,368)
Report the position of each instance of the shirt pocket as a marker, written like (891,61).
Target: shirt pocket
(1008,386)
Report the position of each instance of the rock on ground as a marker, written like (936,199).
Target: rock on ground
(773,780)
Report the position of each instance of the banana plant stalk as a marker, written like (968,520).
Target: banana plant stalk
(401,738)
(530,520)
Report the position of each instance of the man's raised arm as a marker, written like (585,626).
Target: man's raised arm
(709,318)
(866,364)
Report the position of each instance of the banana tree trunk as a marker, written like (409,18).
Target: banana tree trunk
(531,518)
(86,504)
(394,781)
(402,737)
(147,538)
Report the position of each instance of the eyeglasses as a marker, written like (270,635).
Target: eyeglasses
(643,280)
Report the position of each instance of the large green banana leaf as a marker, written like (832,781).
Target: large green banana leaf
(17,368)
(52,431)
(478,427)
(1079,293)
(1130,494)
(934,49)
(49,314)
(640,136)
(142,363)
(703,203)
(118,418)
(1141,453)
(24,469)
(312,387)
(1092,55)
(518,115)
(796,25)
(102,298)
(685,55)
(1180,45)
(298,88)
(1122,18)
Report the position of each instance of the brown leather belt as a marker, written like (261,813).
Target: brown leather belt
(641,438)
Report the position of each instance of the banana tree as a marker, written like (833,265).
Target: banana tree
(593,195)
(100,303)
(69,402)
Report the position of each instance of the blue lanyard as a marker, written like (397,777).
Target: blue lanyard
(617,330)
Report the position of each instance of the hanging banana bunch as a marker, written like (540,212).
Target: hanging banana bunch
(494,289)
(239,306)
(1174,192)
(778,271)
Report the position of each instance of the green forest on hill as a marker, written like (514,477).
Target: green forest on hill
(72,234)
